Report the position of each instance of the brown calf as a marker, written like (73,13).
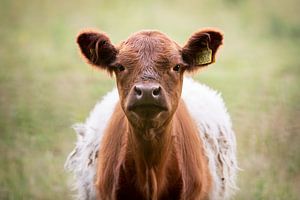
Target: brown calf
(151,148)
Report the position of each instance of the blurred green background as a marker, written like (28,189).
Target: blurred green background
(45,86)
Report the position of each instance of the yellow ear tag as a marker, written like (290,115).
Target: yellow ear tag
(204,57)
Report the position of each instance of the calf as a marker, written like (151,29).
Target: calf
(152,145)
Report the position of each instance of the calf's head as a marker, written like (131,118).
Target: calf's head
(149,69)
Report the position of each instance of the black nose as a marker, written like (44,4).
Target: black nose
(147,100)
(147,91)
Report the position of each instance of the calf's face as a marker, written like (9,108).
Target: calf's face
(149,69)
(149,78)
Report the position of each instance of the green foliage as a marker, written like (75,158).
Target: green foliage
(45,86)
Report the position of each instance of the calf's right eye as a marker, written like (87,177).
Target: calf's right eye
(176,68)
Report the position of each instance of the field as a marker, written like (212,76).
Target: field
(45,86)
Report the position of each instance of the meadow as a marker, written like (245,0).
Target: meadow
(45,86)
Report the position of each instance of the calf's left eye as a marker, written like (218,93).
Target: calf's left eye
(120,68)
(176,68)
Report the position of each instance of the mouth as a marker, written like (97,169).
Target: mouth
(147,111)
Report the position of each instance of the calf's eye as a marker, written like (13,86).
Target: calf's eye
(120,68)
(176,68)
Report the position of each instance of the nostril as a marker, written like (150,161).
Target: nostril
(156,91)
(137,91)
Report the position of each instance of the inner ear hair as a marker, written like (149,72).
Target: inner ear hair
(97,49)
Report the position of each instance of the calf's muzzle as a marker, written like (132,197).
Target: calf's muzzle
(147,93)
(147,100)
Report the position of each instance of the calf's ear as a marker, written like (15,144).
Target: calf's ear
(201,48)
(97,49)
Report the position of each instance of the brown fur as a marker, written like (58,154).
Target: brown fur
(159,157)
(178,171)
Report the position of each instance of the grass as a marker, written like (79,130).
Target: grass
(45,86)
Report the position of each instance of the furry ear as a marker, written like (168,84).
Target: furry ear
(201,48)
(97,48)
